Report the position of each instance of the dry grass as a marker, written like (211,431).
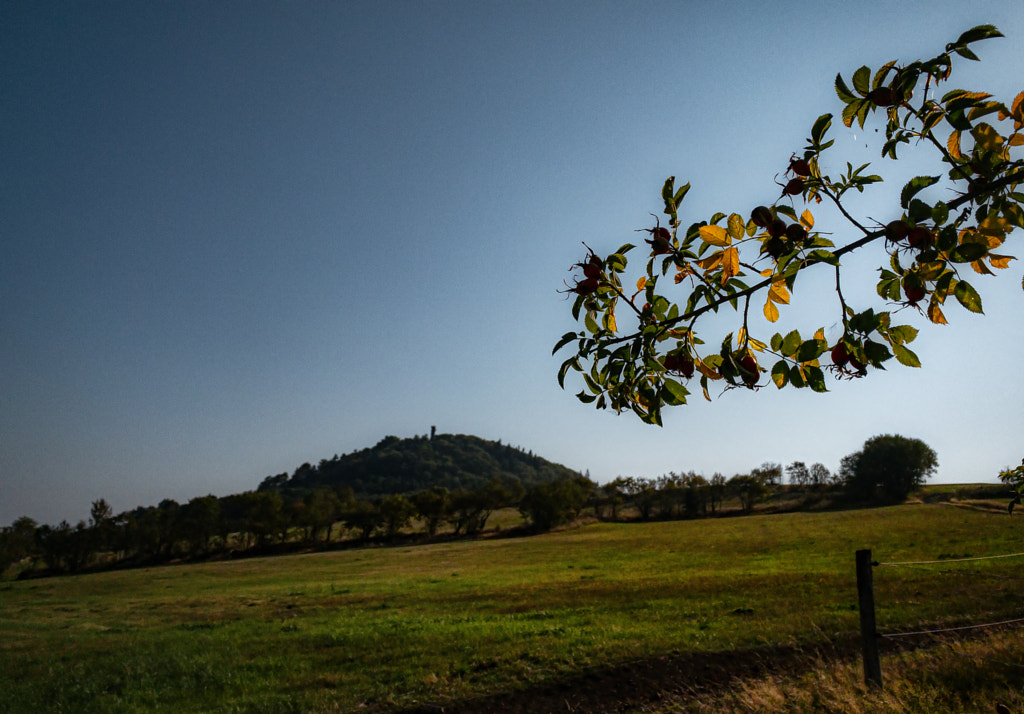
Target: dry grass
(955,677)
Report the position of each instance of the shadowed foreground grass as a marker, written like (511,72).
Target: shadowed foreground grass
(955,677)
(388,628)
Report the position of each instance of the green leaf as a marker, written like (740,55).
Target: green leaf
(876,352)
(572,363)
(981,32)
(968,252)
(905,356)
(791,343)
(810,350)
(843,92)
(862,81)
(776,342)
(566,339)
(850,111)
(681,193)
(919,211)
(674,393)
(915,185)
(968,296)
(815,379)
(780,374)
(795,378)
(821,125)
(902,334)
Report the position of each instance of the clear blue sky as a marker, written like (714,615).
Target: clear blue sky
(238,236)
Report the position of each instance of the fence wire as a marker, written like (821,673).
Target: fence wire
(945,561)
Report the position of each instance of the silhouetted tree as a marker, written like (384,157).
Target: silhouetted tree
(888,468)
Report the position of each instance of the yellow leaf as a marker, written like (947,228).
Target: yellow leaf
(766,272)
(730,263)
(994,225)
(820,334)
(1000,261)
(1017,139)
(771,312)
(980,267)
(778,292)
(935,314)
(988,138)
(714,235)
(683,272)
(953,144)
(711,262)
(757,345)
(1017,108)
(737,228)
(641,284)
(807,220)
(705,370)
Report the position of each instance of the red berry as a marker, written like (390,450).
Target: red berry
(883,97)
(795,186)
(777,229)
(914,292)
(800,167)
(839,355)
(896,230)
(796,233)
(593,268)
(919,237)
(585,287)
(661,240)
(775,247)
(761,216)
(749,365)
(679,362)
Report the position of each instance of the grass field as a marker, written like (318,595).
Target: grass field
(382,629)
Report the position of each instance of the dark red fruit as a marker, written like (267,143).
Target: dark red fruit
(661,240)
(914,292)
(794,187)
(839,355)
(761,216)
(919,237)
(883,97)
(775,247)
(749,365)
(585,287)
(777,229)
(681,363)
(796,233)
(800,167)
(896,231)
(592,269)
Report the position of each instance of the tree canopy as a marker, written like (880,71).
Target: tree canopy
(927,252)
(888,468)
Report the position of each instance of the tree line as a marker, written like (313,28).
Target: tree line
(269,520)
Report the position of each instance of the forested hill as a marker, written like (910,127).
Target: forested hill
(394,465)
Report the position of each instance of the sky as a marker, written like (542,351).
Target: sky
(239,236)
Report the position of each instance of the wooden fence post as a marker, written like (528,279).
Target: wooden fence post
(868,631)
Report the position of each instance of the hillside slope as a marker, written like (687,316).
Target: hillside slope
(395,465)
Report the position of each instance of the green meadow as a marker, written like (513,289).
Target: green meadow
(386,629)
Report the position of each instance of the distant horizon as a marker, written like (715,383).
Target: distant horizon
(72,521)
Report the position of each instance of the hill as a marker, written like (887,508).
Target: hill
(394,465)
